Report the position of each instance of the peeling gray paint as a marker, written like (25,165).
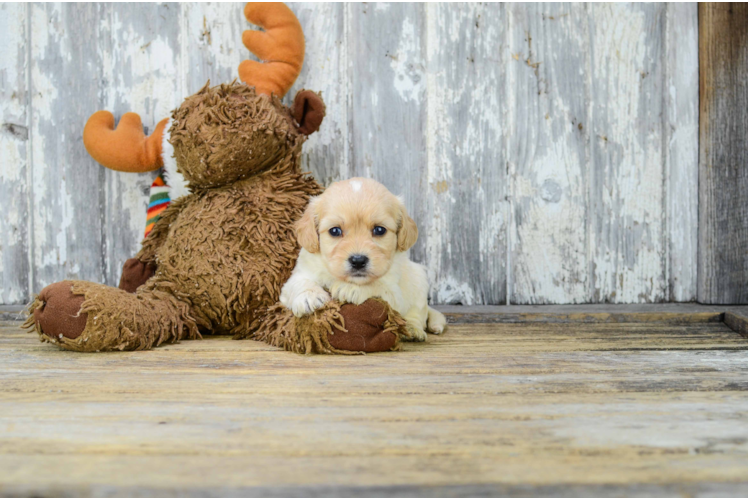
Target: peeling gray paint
(14,187)
(548,152)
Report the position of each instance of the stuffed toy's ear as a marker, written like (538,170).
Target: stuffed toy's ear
(308,110)
(306,228)
(407,234)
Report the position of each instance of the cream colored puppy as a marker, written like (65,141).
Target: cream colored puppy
(354,239)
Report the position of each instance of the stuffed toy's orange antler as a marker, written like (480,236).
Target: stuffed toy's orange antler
(125,148)
(280,46)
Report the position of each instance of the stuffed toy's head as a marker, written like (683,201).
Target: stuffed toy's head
(228,132)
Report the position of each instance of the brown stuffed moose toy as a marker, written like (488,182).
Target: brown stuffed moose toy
(215,261)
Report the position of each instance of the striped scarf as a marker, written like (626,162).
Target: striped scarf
(157,204)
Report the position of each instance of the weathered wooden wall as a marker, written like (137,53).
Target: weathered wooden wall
(549,153)
(723,179)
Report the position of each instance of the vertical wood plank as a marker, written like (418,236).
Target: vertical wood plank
(549,151)
(141,60)
(326,153)
(723,155)
(465,190)
(66,202)
(388,106)
(681,96)
(212,35)
(628,254)
(14,137)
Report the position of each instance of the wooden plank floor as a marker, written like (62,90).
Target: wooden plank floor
(486,409)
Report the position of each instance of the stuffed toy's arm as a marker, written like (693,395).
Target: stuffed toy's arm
(333,329)
(140,268)
(157,236)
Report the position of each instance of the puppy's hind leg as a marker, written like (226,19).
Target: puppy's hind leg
(436,322)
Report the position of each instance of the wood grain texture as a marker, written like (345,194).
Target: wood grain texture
(696,491)
(738,321)
(67,240)
(671,313)
(681,101)
(627,220)
(212,50)
(545,151)
(723,156)
(464,216)
(597,408)
(685,309)
(14,154)
(584,316)
(549,153)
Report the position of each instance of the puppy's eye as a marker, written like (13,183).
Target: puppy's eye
(379,231)
(335,232)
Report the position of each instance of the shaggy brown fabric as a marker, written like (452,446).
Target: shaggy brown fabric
(334,329)
(230,249)
(228,132)
(135,273)
(57,311)
(160,231)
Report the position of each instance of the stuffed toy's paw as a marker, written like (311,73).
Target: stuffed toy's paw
(364,328)
(135,273)
(56,312)
(333,329)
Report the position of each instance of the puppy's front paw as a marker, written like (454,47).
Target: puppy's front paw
(309,301)
(415,334)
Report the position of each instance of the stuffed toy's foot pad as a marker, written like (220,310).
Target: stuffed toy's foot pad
(365,332)
(59,314)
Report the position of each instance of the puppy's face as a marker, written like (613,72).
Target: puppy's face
(357,225)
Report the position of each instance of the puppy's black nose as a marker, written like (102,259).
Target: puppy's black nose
(358,261)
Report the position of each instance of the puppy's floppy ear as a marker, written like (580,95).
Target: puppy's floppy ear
(407,234)
(306,227)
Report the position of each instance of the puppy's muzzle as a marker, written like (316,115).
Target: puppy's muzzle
(358,262)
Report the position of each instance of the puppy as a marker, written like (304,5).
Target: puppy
(354,239)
